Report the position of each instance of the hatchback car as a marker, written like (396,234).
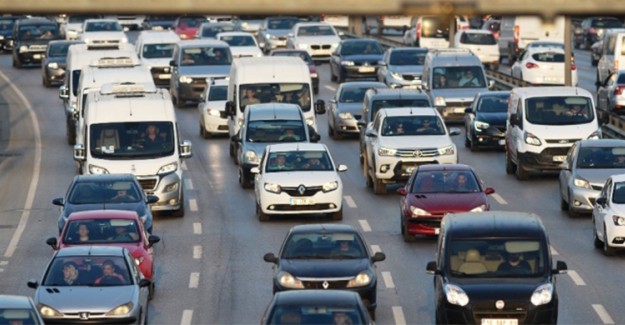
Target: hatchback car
(103,32)
(212,109)
(608,216)
(18,310)
(611,94)
(402,67)
(273,31)
(485,120)
(355,58)
(312,67)
(241,44)
(92,283)
(72,28)
(316,307)
(187,26)
(298,178)
(326,256)
(97,192)
(346,107)
(55,61)
(542,66)
(435,190)
(588,165)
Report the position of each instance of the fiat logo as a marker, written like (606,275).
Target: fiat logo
(499,304)
(301,189)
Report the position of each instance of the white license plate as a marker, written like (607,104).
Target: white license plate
(366,69)
(498,321)
(502,142)
(36,56)
(458,110)
(559,158)
(302,201)
(164,76)
(437,231)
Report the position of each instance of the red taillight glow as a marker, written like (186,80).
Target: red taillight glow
(531,65)
(592,31)
(573,67)
(516,34)
(619,90)
(419,30)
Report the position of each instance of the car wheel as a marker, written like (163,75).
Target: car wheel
(596,241)
(365,168)
(332,76)
(243,181)
(341,77)
(563,205)
(260,214)
(361,157)
(577,45)
(571,211)
(203,132)
(71,133)
(372,314)
(467,142)
(338,215)
(46,83)
(607,249)
(521,173)
(593,61)
(473,146)
(151,290)
(316,90)
(231,150)
(180,212)
(330,130)
(408,238)
(178,102)
(378,186)
(510,166)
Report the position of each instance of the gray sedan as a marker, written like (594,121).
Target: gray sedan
(402,67)
(346,107)
(18,310)
(95,284)
(586,168)
(55,61)
(611,94)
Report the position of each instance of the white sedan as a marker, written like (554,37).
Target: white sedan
(298,178)
(542,66)
(608,216)
(102,32)
(212,108)
(242,44)
(318,39)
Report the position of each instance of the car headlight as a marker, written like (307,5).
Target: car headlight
(346,116)
(310,120)
(23,49)
(213,112)
(1,37)
(618,220)
(272,36)
(169,168)
(47,311)
(396,75)
(455,295)
(479,125)
(244,24)
(87,40)
(440,102)
(362,279)
(53,65)
(120,310)
(289,281)
(347,63)
(250,156)
(448,150)
(124,40)
(185,79)
(542,295)
(580,182)
(334,45)
(330,186)
(302,46)
(183,36)
(481,208)
(531,139)
(97,170)
(419,212)
(273,188)
(384,151)
(595,135)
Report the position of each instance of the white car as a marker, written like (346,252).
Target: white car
(482,43)
(318,39)
(72,28)
(608,216)
(400,139)
(298,178)
(242,44)
(542,66)
(155,48)
(212,108)
(102,32)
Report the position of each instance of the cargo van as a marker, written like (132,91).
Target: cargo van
(612,55)
(517,31)
(132,128)
(542,125)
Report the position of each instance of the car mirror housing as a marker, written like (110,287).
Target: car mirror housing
(454,131)
(33,284)
(342,168)
(561,268)
(270,258)
(601,200)
(489,191)
(371,134)
(153,239)
(145,283)
(402,191)
(431,268)
(565,165)
(255,170)
(52,242)
(58,201)
(230,108)
(152,199)
(378,257)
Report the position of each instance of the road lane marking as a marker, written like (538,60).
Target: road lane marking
(193,204)
(553,251)
(197,228)
(576,278)
(4,263)
(188,184)
(197,252)
(365,225)
(187,316)
(603,314)
(184,166)
(375,249)
(388,280)
(350,201)
(398,315)
(499,199)
(194,280)
(30,197)
(330,88)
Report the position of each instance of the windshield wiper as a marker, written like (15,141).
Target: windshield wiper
(345,256)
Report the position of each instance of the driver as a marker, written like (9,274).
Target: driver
(468,79)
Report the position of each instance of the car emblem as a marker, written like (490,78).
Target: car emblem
(325,284)
(84,315)
(133,169)
(563,141)
(365,63)
(301,189)
(166,69)
(417,153)
(499,304)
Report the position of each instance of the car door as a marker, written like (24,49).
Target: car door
(566,174)
(600,211)
(517,67)
(372,142)
(335,61)
(382,69)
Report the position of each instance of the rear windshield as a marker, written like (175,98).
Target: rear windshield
(433,27)
(478,39)
(552,57)
(568,110)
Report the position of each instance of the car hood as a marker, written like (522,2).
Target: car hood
(407,69)
(205,70)
(492,118)
(373,58)
(216,104)
(297,178)
(136,206)
(464,95)
(437,203)
(500,288)
(596,176)
(61,60)
(74,299)
(6,33)
(416,141)
(317,39)
(354,108)
(257,147)
(558,132)
(317,268)
(160,62)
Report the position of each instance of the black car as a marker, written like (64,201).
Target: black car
(106,192)
(326,256)
(592,29)
(6,31)
(158,22)
(494,267)
(30,40)
(316,307)
(356,58)
(485,120)
(55,61)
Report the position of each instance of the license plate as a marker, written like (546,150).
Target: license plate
(502,142)
(36,56)
(366,69)
(302,201)
(459,110)
(500,321)
(437,231)
(164,76)
(559,158)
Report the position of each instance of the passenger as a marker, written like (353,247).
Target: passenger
(426,126)
(441,82)
(83,232)
(577,110)
(289,136)
(468,79)
(346,247)
(109,276)
(47,35)
(460,184)
(291,98)
(514,264)
(250,97)
(152,140)
(122,234)
(313,164)
(218,58)
(399,128)
(619,160)
(280,163)
(187,59)
(122,196)
(342,319)
(70,274)
(304,100)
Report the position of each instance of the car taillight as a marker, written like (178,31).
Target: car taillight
(592,31)
(618,90)
(531,65)
(419,30)
(323,17)
(573,67)
(516,34)
(382,19)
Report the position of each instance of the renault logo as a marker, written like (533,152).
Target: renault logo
(499,304)
(325,284)
(301,189)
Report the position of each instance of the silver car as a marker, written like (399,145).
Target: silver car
(95,284)
(402,67)
(18,310)
(55,61)
(273,31)
(346,107)
(611,94)
(586,168)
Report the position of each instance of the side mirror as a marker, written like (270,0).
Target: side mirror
(454,131)
(489,191)
(230,109)
(341,33)
(202,97)
(341,168)
(150,199)
(255,170)
(601,200)
(290,35)
(52,242)
(59,201)
(402,191)
(320,107)
(235,138)
(561,268)
(371,133)
(424,85)
(153,239)
(378,257)
(565,165)
(33,284)
(315,137)
(430,268)
(145,283)
(173,63)
(186,150)
(468,110)
(63,92)
(382,63)
(513,119)
(491,84)
(79,152)
(270,258)
(332,101)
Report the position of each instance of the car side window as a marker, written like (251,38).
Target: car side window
(571,155)
(376,122)
(605,189)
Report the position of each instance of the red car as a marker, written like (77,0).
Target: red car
(435,190)
(110,228)
(187,26)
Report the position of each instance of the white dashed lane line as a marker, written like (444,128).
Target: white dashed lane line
(328,87)
(576,278)
(375,249)
(499,199)
(4,263)
(194,280)
(184,166)
(553,251)
(197,228)
(365,225)
(187,317)
(603,314)
(388,280)
(398,315)
(350,201)
(197,252)
(193,205)
(1,270)
(188,184)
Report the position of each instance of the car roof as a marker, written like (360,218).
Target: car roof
(308,23)
(446,167)
(202,42)
(104,178)
(399,93)
(408,111)
(90,250)
(297,146)
(406,49)
(603,143)
(158,36)
(307,297)
(552,91)
(362,84)
(618,178)
(235,34)
(270,111)
(103,214)
(505,224)
(15,302)
(328,227)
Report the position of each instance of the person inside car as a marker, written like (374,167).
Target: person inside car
(83,232)
(122,234)
(109,276)
(313,164)
(70,274)
(249,98)
(468,79)
(280,164)
(289,136)
(514,264)
(346,247)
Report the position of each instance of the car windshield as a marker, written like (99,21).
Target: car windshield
(56,50)
(104,191)
(618,196)
(458,77)
(95,231)
(407,102)
(316,31)
(87,271)
(568,110)
(275,131)
(445,182)
(552,57)
(191,22)
(10,316)
(607,23)
(158,51)
(407,57)
(212,31)
(32,32)
(324,245)
(294,161)
(412,125)
(320,313)
(6,24)
(353,95)
(238,40)
(493,104)
(217,93)
(545,44)
(282,23)
(161,18)
(203,56)
(500,258)
(103,26)
(601,157)
(131,140)
(301,54)
(293,93)
(361,48)
(478,39)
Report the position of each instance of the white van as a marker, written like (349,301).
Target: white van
(78,56)
(517,31)
(156,49)
(612,55)
(133,129)
(268,80)
(542,125)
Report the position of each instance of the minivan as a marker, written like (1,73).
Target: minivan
(517,31)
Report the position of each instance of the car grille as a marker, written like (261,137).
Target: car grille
(512,310)
(199,81)
(105,42)
(366,63)
(428,222)
(148,183)
(318,47)
(562,141)
(157,72)
(222,128)
(293,191)
(288,207)
(405,168)
(357,117)
(414,153)
(332,283)
(282,38)
(597,187)
(223,114)
(555,151)
(501,129)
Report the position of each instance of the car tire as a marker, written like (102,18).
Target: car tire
(341,77)
(46,83)
(203,132)
(151,291)
(243,181)
(179,103)
(378,186)
(180,212)
(473,146)
(576,45)
(408,238)
(596,241)
(260,214)
(71,134)
(467,142)
(338,215)
(332,76)
(564,206)
(231,150)
(510,166)
(593,62)
(571,211)
(372,314)
(607,249)
(368,180)
(330,130)
(521,173)
(316,90)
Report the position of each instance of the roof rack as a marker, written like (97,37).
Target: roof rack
(128,89)
(450,51)
(114,62)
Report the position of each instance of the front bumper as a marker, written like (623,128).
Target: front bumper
(54,75)
(582,199)
(168,188)
(95,319)
(30,57)
(346,126)
(407,81)
(476,312)
(320,52)
(494,136)
(453,113)
(615,234)
(161,76)
(423,225)
(392,169)
(366,293)
(215,124)
(544,160)
(272,44)
(6,44)
(289,201)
